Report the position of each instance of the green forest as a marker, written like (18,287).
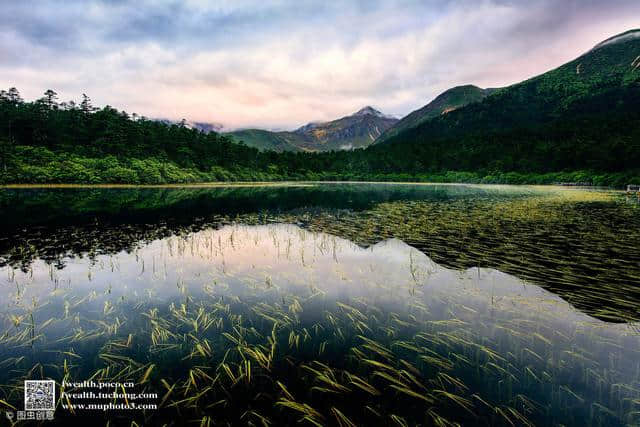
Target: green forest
(50,142)
(577,123)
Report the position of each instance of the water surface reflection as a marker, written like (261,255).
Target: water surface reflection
(476,338)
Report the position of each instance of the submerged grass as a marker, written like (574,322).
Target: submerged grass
(582,245)
(235,347)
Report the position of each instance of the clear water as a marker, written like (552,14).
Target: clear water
(332,310)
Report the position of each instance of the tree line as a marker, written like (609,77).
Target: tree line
(49,141)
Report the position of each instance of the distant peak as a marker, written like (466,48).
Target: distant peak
(309,126)
(620,38)
(461,87)
(201,126)
(368,110)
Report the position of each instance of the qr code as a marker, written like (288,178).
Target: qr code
(39,395)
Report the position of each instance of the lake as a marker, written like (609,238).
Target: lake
(326,304)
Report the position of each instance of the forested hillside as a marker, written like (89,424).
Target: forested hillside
(446,102)
(583,115)
(48,141)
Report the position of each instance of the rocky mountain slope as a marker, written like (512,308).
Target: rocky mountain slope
(357,130)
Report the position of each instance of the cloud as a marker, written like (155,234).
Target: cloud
(281,64)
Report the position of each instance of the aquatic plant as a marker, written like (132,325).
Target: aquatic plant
(274,325)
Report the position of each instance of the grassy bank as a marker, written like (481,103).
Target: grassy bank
(36,165)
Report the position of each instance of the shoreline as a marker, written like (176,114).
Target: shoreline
(220,184)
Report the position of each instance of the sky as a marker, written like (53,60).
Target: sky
(281,64)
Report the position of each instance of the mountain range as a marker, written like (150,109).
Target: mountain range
(361,129)
(357,130)
(479,117)
(582,115)
(582,118)
(205,127)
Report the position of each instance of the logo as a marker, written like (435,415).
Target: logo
(39,402)
(39,395)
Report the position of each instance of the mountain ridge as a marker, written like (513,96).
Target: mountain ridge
(447,101)
(619,38)
(579,122)
(357,130)
(582,114)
